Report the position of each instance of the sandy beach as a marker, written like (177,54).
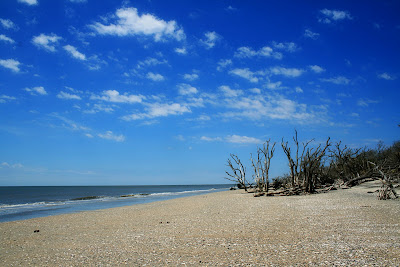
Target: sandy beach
(232,228)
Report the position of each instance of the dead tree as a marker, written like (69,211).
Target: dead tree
(386,191)
(311,165)
(262,165)
(268,154)
(238,172)
(295,161)
(345,162)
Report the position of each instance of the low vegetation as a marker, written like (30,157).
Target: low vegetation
(314,168)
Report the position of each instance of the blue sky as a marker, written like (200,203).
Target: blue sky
(161,92)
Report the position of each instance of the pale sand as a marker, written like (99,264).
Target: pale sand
(344,227)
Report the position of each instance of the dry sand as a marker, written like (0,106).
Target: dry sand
(344,227)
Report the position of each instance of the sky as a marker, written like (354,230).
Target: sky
(161,92)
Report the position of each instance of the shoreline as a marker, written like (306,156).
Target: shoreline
(348,227)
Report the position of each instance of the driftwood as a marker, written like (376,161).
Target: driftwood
(359,180)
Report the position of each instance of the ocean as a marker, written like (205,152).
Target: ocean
(26,202)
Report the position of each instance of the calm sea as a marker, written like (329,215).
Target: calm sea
(26,202)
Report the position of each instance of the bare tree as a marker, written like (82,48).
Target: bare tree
(311,165)
(295,161)
(386,191)
(262,165)
(238,172)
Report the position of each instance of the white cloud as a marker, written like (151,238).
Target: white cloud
(110,136)
(386,76)
(237,139)
(366,102)
(74,53)
(64,95)
(190,77)
(46,42)
(255,90)
(272,106)
(274,86)
(29,2)
(186,89)
(310,34)
(228,92)
(10,64)
(8,24)
(150,61)
(159,110)
(114,96)
(181,51)
(334,15)
(69,124)
(127,22)
(36,90)
(248,52)
(298,89)
(316,68)
(287,46)
(210,139)
(155,77)
(6,39)
(223,63)
(246,74)
(6,98)
(210,39)
(288,72)
(12,166)
(337,80)
(99,108)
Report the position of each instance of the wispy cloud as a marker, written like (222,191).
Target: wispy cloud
(364,102)
(68,96)
(155,77)
(46,42)
(287,46)
(181,50)
(337,80)
(287,72)
(29,2)
(235,139)
(190,77)
(128,22)
(310,34)
(223,63)
(8,24)
(228,92)
(6,98)
(329,16)
(6,39)
(186,89)
(210,39)
(11,64)
(156,110)
(316,68)
(248,52)
(38,90)
(116,97)
(246,74)
(386,76)
(151,61)
(74,52)
(109,135)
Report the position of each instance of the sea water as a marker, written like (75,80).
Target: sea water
(26,202)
